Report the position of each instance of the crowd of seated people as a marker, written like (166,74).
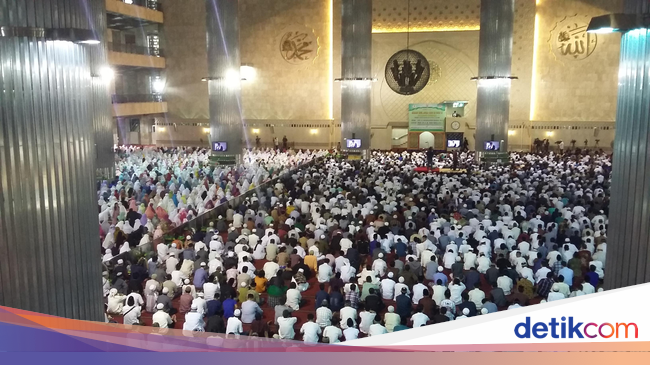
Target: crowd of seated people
(345,249)
(157,189)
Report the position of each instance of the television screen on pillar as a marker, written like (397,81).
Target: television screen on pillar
(453,143)
(492,145)
(353,143)
(219,146)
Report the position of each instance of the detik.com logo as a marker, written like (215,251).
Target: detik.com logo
(573,329)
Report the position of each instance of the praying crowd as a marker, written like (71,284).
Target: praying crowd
(345,249)
(162,188)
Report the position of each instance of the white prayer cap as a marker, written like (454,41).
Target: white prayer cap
(391,309)
(172,254)
(237,313)
(381,255)
(231,253)
(466,311)
(220,217)
(243,284)
(165,290)
(160,306)
(152,287)
(440,268)
(200,294)
(188,237)
(120,261)
(195,307)
(322,236)
(555,287)
(174,246)
(301,270)
(203,264)
(457,258)
(215,237)
(385,223)
(186,281)
(464,242)
(401,279)
(483,310)
(108,250)
(390,275)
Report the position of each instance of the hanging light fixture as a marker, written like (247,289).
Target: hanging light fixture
(407,71)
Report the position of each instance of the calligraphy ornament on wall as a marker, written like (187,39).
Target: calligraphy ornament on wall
(407,72)
(298,45)
(570,41)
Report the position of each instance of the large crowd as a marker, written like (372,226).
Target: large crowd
(343,249)
(158,189)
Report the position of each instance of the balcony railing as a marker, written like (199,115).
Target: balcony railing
(137,98)
(133,49)
(151,4)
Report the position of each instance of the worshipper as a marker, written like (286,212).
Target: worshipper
(285,326)
(194,320)
(310,330)
(249,309)
(324,314)
(350,332)
(234,324)
(333,333)
(162,318)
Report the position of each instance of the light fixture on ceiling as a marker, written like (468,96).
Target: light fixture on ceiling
(106,74)
(611,23)
(247,72)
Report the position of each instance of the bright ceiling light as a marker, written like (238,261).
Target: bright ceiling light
(106,73)
(248,72)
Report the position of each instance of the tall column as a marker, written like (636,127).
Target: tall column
(49,247)
(101,108)
(628,236)
(494,79)
(356,72)
(224,80)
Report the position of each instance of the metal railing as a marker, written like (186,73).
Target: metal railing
(150,4)
(137,98)
(134,49)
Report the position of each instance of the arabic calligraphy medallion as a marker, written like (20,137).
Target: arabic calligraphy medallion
(569,39)
(298,45)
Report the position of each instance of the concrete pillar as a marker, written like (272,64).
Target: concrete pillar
(49,238)
(628,235)
(356,72)
(494,79)
(226,124)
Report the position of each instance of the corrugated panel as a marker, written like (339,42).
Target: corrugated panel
(629,232)
(495,59)
(356,58)
(222,26)
(49,251)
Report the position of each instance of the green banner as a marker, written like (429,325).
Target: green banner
(427,117)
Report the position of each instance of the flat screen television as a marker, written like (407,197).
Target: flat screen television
(353,143)
(219,146)
(492,145)
(453,143)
